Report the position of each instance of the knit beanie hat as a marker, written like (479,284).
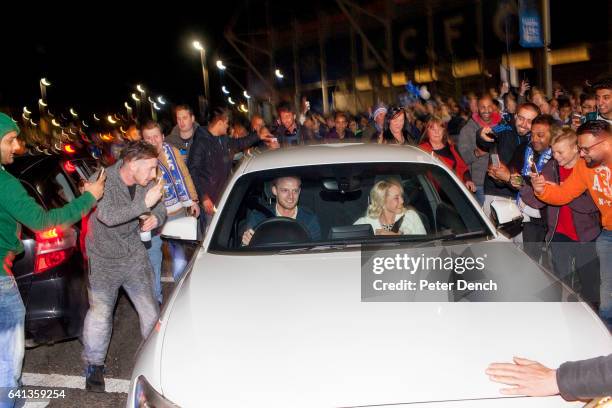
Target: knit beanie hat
(378,109)
(7,125)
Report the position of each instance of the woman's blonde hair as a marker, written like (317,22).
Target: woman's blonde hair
(379,193)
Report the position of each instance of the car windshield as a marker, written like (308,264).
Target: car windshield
(345,204)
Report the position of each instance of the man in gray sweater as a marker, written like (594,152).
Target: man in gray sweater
(117,257)
(574,380)
(475,158)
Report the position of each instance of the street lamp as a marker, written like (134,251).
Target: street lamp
(229,99)
(224,90)
(135,98)
(246,95)
(43,93)
(198,46)
(161,100)
(73,112)
(220,65)
(128,109)
(140,89)
(279,74)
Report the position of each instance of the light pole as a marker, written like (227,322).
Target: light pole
(138,101)
(142,91)
(43,93)
(223,70)
(198,46)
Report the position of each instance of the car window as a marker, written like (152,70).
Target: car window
(335,205)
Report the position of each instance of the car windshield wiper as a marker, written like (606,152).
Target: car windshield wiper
(319,247)
(452,237)
(326,246)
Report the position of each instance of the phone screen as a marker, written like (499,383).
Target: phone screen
(102,170)
(495,159)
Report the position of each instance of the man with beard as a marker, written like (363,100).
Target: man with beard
(475,158)
(503,140)
(536,154)
(593,173)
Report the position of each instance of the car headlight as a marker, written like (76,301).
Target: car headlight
(145,396)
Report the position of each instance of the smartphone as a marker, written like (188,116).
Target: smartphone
(495,159)
(81,173)
(102,171)
(534,169)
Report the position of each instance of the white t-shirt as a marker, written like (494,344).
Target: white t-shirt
(411,225)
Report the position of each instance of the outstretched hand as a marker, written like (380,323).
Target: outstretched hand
(526,377)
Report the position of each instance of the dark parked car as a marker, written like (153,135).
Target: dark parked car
(51,271)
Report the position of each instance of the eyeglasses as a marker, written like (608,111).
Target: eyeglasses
(587,149)
(523,119)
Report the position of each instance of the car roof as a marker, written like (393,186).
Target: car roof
(335,153)
(23,164)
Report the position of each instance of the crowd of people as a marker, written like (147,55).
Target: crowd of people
(553,157)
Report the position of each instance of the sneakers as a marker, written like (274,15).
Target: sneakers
(94,378)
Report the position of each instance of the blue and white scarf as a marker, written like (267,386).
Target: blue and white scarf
(176,194)
(544,157)
(542,160)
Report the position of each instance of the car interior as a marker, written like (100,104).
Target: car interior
(339,195)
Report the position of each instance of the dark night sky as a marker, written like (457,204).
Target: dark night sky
(94,59)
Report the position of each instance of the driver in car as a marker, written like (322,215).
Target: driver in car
(287,192)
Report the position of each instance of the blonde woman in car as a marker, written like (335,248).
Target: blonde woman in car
(387,214)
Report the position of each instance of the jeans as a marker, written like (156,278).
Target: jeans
(604,250)
(12,316)
(480,195)
(106,276)
(179,259)
(156,258)
(566,252)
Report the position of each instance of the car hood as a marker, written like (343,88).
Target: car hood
(291,330)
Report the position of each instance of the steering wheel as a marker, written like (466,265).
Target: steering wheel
(279,231)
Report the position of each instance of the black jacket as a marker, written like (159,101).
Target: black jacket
(299,136)
(507,142)
(210,161)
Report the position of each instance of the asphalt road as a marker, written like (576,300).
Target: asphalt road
(59,368)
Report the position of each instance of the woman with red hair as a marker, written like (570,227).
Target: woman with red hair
(435,140)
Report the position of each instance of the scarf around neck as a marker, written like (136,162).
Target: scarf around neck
(176,194)
(495,119)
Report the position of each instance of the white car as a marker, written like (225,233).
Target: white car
(286,321)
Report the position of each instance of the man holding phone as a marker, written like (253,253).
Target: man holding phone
(506,140)
(18,208)
(529,158)
(117,257)
(179,195)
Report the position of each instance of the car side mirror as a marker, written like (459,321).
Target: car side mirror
(182,228)
(506,216)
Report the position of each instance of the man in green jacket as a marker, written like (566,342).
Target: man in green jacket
(16,208)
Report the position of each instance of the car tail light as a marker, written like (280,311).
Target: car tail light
(69,149)
(69,167)
(53,247)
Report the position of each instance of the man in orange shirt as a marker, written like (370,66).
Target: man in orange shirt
(592,173)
